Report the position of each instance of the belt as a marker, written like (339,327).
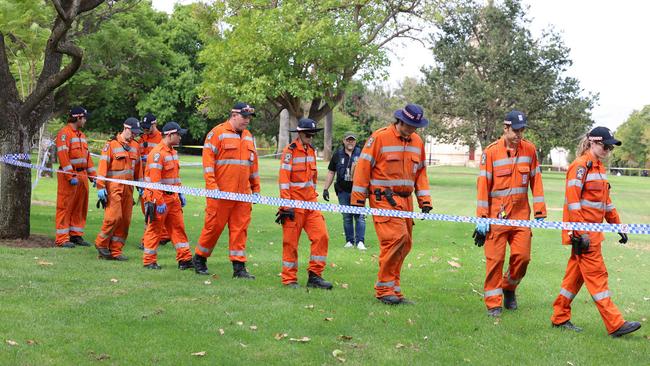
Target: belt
(80,169)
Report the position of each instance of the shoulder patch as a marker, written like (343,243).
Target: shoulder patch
(63,137)
(370,141)
(106,147)
(287,158)
(209,136)
(483,158)
(156,157)
(580,173)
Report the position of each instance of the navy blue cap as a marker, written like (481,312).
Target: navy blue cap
(79,112)
(412,115)
(244,109)
(133,124)
(604,135)
(173,127)
(516,119)
(148,120)
(306,125)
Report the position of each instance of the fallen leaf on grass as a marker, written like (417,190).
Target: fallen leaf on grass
(240,323)
(253,327)
(309,307)
(243,345)
(646,298)
(333,265)
(279,336)
(454,264)
(44,263)
(221,332)
(569,363)
(301,340)
(207,282)
(114,280)
(31,342)
(199,354)
(345,337)
(344,285)
(399,345)
(337,354)
(411,322)
(11,343)
(409,265)
(329,319)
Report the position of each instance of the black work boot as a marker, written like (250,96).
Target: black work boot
(509,300)
(163,242)
(293,285)
(78,240)
(627,327)
(239,271)
(200,264)
(104,253)
(183,265)
(121,258)
(153,265)
(390,300)
(568,325)
(67,244)
(317,281)
(495,312)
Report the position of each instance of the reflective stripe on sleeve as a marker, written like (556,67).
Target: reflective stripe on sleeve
(359,189)
(486,174)
(181,245)
(480,203)
(574,206)
(592,204)
(61,148)
(369,158)
(211,147)
(601,295)
(303,159)
(208,170)
(320,258)
(425,192)
(568,294)
(239,253)
(155,166)
(574,183)
(286,167)
(495,292)
(289,264)
(538,199)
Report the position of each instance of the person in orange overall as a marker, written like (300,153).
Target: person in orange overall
(297,179)
(390,169)
(508,167)
(230,165)
(163,208)
(150,137)
(120,160)
(72,186)
(587,199)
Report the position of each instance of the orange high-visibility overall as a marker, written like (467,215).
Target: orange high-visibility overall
(229,164)
(163,167)
(587,200)
(502,186)
(390,161)
(72,201)
(297,179)
(146,143)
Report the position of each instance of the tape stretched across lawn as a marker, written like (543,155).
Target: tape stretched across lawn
(19,160)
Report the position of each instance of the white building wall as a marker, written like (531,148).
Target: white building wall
(438,153)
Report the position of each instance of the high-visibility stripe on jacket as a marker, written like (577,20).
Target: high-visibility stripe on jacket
(230,160)
(147,142)
(72,151)
(298,174)
(587,196)
(120,160)
(503,181)
(391,161)
(162,167)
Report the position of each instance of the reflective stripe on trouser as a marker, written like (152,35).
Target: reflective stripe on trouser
(218,213)
(395,241)
(313,223)
(71,207)
(164,235)
(117,218)
(173,221)
(495,252)
(588,268)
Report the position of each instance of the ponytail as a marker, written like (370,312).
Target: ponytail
(583,146)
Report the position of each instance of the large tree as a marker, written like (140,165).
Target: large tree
(487,62)
(299,55)
(635,135)
(24,113)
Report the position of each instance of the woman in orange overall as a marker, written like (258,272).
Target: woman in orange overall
(587,200)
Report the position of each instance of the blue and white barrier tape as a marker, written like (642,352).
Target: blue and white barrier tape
(15,159)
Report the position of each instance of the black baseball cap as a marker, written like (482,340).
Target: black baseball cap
(173,127)
(79,112)
(148,120)
(604,135)
(244,109)
(133,124)
(516,119)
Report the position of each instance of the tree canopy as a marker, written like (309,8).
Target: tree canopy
(635,135)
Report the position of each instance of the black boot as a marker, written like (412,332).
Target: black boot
(78,240)
(627,327)
(200,264)
(509,300)
(183,265)
(317,281)
(239,271)
(104,253)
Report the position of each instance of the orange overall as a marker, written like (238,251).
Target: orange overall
(587,200)
(230,165)
(146,143)
(72,201)
(120,160)
(163,167)
(502,186)
(390,161)
(297,179)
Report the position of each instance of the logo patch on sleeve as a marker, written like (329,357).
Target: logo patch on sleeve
(580,173)
(156,157)
(287,158)
(483,158)
(63,138)
(370,141)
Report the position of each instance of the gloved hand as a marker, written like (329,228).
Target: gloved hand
(283,214)
(256,196)
(140,191)
(326,195)
(93,180)
(426,209)
(101,204)
(149,214)
(623,238)
(183,200)
(540,219)
(479,239)
(102,195)
(161,208)
(74,181)
(580,243)
(483,228)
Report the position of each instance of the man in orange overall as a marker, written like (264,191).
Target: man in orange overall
(297,179)
(508,167)
(587,199)
(150,137)
(120,160)
(389,170)
(164,208)
(230,165)
(72,186)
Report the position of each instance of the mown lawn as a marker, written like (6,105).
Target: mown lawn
(65,307)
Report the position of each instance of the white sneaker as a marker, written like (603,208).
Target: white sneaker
(361,246)
(348,245)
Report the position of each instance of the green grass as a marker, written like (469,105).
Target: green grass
(76,315)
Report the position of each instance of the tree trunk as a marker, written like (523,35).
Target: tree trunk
(15,182)
(283,134)
(327,138)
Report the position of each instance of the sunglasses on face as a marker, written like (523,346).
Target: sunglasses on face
(310,135)
(606,147)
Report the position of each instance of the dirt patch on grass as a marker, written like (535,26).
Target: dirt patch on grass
(34,241)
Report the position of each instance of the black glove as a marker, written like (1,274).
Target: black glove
(580,243)
(149,212)
(102,203)
(623,238)
(326,195)
(426,209)
(283,214)
(479,239)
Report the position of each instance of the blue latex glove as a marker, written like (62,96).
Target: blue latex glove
(94,182)
(483,228)
(74,181)
(161,208)
(256,197)
(183,200)
(140,191)
(102,194)
(539,219)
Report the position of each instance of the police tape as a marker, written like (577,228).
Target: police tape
(16,160)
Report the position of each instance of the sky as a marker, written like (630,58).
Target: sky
(607,41)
